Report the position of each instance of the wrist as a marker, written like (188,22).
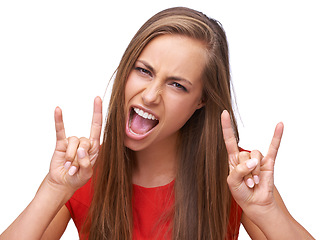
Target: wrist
(274,223)
(36,217)
(58,194)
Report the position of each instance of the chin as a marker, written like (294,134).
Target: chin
(134,145)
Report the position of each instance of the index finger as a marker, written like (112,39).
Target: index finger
(59,124)
(97,120)
(276,140)
(228,134)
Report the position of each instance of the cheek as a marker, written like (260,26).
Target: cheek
(181,112)
(188,105)
(130,87)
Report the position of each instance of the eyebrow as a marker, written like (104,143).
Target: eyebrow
(150,68)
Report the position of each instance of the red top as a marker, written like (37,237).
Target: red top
(150,207)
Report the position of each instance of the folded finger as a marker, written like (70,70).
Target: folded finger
(256,172)
(78,146)
(236,177)
(71,162)
(248,179)
(73,143)
(85,167)
(85,144)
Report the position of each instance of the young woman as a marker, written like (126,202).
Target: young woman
(169,166)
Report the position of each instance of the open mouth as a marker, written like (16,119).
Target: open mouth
(141,122)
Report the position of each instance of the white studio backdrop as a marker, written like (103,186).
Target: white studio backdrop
(63,53)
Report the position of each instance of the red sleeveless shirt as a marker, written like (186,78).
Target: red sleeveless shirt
(149,207)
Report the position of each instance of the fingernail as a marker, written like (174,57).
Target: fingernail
(67,165)
(250,183)
(72,170)
(256,179)
(251,163)
(81,153)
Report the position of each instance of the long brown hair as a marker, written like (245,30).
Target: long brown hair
(202,198)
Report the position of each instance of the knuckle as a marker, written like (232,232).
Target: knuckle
(73,139)
(84,139)
(69,157)
(240,170)
(243,156)
(85,163)
(85,143)
(256,153)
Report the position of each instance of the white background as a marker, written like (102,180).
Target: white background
(63,53)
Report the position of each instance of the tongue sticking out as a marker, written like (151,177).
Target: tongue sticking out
(141,125)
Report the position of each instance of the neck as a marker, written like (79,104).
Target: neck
(155,166)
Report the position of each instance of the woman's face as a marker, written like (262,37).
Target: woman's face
(163,90)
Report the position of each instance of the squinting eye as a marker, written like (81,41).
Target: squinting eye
(143,71)
(177,85)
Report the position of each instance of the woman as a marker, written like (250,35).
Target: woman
(169,166)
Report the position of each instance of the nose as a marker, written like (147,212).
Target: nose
(152,93)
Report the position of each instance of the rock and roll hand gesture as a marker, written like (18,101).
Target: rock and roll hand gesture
(251,176)
(73,158)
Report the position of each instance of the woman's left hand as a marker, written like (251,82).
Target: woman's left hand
(251,176)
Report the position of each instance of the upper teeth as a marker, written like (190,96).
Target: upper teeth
(144,114)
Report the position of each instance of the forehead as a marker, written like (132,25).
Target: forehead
(177,54)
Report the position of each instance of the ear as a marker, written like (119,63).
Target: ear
(201,103)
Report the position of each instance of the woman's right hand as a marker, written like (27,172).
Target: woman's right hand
(71,167)
(73,158)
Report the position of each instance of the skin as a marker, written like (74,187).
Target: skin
(166,82)
(264,212)
(46,217)
(156,86)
